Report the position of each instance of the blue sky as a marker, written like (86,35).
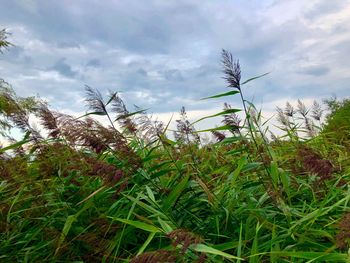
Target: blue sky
(165,54)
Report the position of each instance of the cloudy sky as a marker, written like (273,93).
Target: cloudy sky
(165,54)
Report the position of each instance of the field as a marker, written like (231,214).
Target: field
(80,191)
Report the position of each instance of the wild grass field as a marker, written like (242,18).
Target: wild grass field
(80,191)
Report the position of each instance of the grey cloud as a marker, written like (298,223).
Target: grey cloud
(95,63)
(16,54)
(64,68)
(142,72)
(323,7)
(315,70)
(172,75)
(66,44)
(143,28)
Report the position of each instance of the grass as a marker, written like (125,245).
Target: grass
(83,192)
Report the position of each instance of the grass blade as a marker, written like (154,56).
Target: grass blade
(230,93)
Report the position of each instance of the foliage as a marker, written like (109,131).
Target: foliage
(338,121)
(3,40)
(78,191)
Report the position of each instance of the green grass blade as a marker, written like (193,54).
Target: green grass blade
(13,146)
(210,250)
(257,77)
(175,193)
(225,112)
(221,128)
(138,224)
(148,240)
(230,93)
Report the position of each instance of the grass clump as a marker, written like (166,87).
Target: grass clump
(338,121)
(81,191)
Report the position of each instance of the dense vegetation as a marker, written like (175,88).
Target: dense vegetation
(78,191)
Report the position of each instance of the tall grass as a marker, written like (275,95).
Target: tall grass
(78,191)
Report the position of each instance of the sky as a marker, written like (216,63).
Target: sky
(163,55)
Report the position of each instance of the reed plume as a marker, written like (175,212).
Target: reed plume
(231,70)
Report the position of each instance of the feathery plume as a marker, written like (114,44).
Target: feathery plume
(343,236)
(231,70)
(48,120)
(231,119)
(315,164)
(123,118)
(281,117)
(157,256)
(289,110)
(95,101)
(149,129)
(302,109)
(219,136)
(185,238)
(185,130)
(316,111)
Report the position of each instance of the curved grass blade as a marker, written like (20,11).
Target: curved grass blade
(165,226)
(230,93)
(326,257)
(130,114)
(230,140)
(225,112)
(138,224)
(111,98)
(257,77)
(175,194)
(210,250)
(99,113)
(13,146)
(149,239)
(220,128)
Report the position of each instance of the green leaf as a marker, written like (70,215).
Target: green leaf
(248,80)
(251,166)
(222,95)
(156,167)
(149,239)
(150,194)
(130,114)
(100,113)
(320,256)
(67,225)
(254,251)
(285,181)
(145,206)
(225,112)
(111,98)
(175,194)
(274,173)
(138,224)
(13,146)
(234,152)
(165,226)
(238,170)
(210,250)
(240,243)
(230,140)
(151,157)
(161,173)
(166,140)
(221,128)
(251,184)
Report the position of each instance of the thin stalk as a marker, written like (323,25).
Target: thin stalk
(252,135)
